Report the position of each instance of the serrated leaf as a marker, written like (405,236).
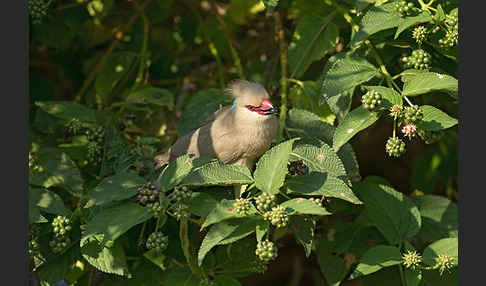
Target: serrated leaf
(222,211)
(216,173)
(305,123)
(303,229)
(201,204)
(179,169)
(48,201)
(272,167)
(321,159)
(108,257)
(344,73)
(341,103)
(350,162)
(376,258)
(156,258)
(394,214)
(154,95)
(57,170)
(425,82)
(412,21)
(216,234)
(389,95)
(314,36)
(317,183)
(118,187)
(246,227)
(377,18)
(303,206)
(115,221)
(355,121)
(435,119)
(68,110)
(439,217)
(446,246)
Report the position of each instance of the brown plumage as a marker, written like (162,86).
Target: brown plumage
(238,137)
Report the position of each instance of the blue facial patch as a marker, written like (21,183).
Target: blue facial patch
(233,108)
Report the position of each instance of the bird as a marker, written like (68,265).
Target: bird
(236,134)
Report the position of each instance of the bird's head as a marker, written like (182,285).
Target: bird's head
(252,97)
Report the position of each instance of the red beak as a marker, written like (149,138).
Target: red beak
(266,107)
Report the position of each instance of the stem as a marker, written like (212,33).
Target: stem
(90,278)
(141,233)
(186,246)
(400,268)
(283,81)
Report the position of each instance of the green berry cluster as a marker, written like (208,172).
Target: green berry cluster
(419,59)
(94,152)
(406,8)
(371,100)
(61,226)
(181,194)
(33,248)
(413,114)
(297,168)
(419,34)
(266,251)
(277,216)
(395,147)
(450,39)
(157,241)
(96,134)
(242,206)
(411,259)
(147,193)
(74,126)
(181,210)
(94,7)
(430,137)
(38,10)
(265,202)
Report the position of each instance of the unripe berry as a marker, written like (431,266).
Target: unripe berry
(266,251)
(413,114)
(157,241)
(419,34)
(277,216)
(242,206)
(395,147)
(265,201)
(371,100)
(419,59)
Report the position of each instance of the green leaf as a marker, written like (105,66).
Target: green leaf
(394,214)
(179,169)
(439,217)
(341,103)
(216,173)
(303,229)
(412,21)
(34,214)
(272,167)
(222,211)
(156,258)
(345,72)
(305,96)
(108,77)
(68,110)
(305,123)
(321,159)
(57,170)
(314,36)
(57,268)
(200,107)
(118,187)
(355,121)
(445,246)
(303,206)
(201,204)
(433,278)
(317,183)
(48,201)
(376,258)
(425,82)
(333,268)
(270,4)
(389,95)
(154,95)
(108,257)
(246,227)
(215,235)
(378,18)
(350,162)
(435,119)
(261,229)
(115,221)
(224,280)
